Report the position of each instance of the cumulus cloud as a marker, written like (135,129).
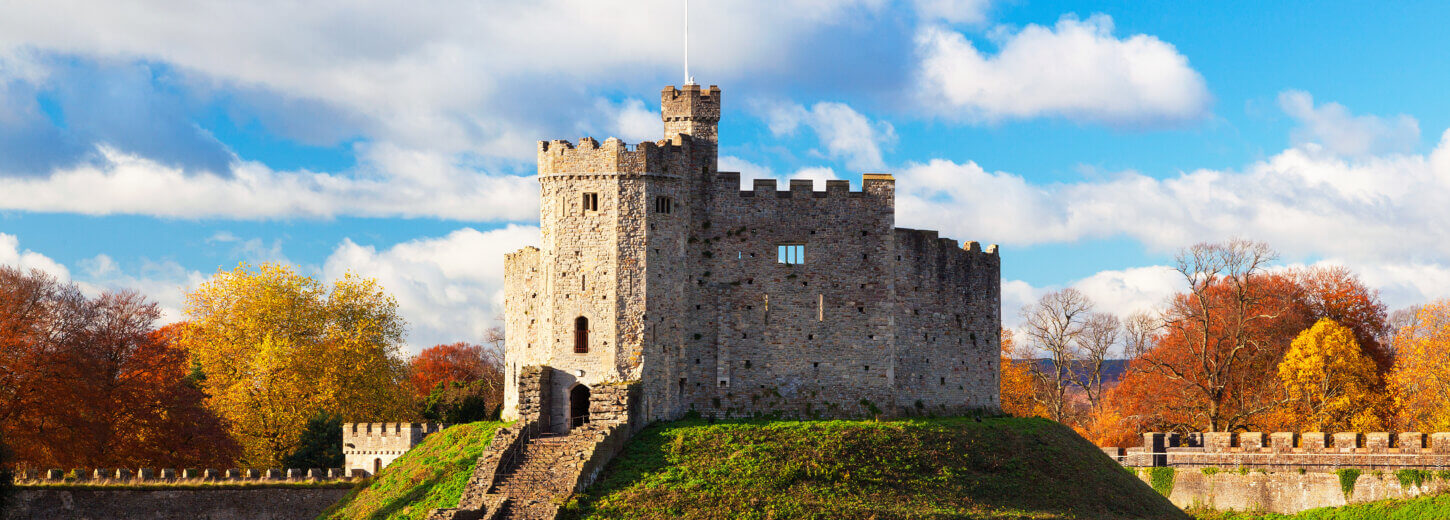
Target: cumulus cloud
(12,255)
(418,184)
(845,134)
(1333,127)
(448,288)
(1305,201)
(632,121)
(1076,70)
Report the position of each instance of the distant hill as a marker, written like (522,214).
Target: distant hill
(1113,369)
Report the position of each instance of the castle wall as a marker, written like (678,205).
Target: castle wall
(524,320)
(948,314)
(814,338)
(169,504)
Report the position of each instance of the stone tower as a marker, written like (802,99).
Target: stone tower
(656,269)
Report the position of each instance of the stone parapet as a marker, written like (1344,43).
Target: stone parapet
(1291,450)
(148,476)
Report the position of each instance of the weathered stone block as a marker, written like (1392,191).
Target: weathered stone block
(1410,442)
(1440,442)
(273,474)
(145,474)
(1315,442)
(210,474)
(102,474)
(1283,442)
(336,473)
(252,474)
(190,474)
(234,474)
(1218,441)
(55,474)
(1253,441)
(1377,442)
(315,474)
(1346,442)
(295,474)
(168,474)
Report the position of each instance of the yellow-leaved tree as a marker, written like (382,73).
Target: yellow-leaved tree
(278,348)
(1421,377)
(1331,381)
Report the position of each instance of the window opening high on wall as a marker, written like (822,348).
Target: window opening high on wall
(791,254)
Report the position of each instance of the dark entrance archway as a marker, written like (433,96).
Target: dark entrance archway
(578,406)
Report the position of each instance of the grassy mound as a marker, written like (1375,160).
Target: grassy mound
(429,476)
(1437,506)
(935,468)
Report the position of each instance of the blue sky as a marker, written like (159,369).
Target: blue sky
(146,146)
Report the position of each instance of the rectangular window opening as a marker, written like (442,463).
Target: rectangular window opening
(791,254)
(591,202)
(663,205)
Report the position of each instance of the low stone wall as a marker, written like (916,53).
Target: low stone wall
(1284,451)
(1285,492)
(148,476)
(171,504)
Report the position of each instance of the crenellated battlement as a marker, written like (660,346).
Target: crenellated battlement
(929,241)
(727,182)
(1289,450)
(614,156)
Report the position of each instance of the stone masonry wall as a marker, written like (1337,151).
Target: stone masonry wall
(179,504)
(1283,451)
(1286,492)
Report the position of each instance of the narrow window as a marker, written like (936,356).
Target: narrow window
(821,307)
(791,254)
(663,205)
(581,335)
(591,202)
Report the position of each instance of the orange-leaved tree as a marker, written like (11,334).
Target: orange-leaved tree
(1017,387)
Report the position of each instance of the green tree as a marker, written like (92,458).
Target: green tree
(320,445)
(278,348)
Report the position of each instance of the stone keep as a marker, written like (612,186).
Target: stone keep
(372,446)
(655,267)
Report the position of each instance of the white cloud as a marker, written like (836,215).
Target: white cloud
(12,255)
(1304,201)
(448,288)
(953,11)
(1077,70)
(450,75)
(419,184)
(843,132)
(1135,289)
(1332,126)
(632,121)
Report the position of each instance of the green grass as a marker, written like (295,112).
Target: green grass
(1437,506)
(934,468)
(429,476)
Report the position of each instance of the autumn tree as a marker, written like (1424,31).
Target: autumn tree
(1333,384)
(1099,336)
(462,362)
(1054,326)
(1017,388)
(89,382)
(1215,334)
(1336,293)
(278,348)
(1421,377)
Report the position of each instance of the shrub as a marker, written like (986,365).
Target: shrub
(1161,478)
(1412,477)
(1347,478)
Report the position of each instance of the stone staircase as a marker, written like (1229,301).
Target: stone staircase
(527,473)
(540,479)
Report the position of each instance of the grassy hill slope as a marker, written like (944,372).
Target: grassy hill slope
(936,468)
(429,476)
(1437,506)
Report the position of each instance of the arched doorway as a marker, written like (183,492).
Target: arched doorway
(578,406)
(377,466)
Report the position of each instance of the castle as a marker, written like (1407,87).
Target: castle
(656,269)
(370,447)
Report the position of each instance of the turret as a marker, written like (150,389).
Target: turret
(693,112)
